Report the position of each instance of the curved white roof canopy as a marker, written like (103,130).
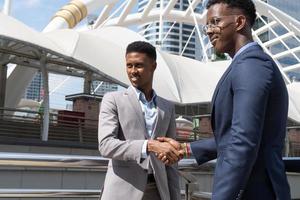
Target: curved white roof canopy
(176,78)
(28,103)
(97,50)
(24,46)
(294,101)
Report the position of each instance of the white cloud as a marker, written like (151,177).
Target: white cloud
(31,3)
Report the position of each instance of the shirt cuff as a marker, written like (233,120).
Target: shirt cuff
(144,149)
(191,151)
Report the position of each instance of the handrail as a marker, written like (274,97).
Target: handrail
(39,113)
(76,161)
(98,162)
(63,193)
(73,161)
(49,193)
(18,110)
(185,166)
(52,160)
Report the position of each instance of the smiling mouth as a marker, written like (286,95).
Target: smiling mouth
(213,41)
(134,78)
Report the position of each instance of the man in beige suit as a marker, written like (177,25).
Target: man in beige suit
(129,122)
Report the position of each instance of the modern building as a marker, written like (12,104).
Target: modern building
(291,8)
(175,38)
(101,87)
(34,90)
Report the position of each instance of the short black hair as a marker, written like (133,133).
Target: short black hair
(247,7)
(142,47)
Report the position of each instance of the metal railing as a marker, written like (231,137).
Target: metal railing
(25,124)
(83,162)
(49,193)
(185,167)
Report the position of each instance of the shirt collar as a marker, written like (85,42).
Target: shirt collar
(141,96)
(250,44)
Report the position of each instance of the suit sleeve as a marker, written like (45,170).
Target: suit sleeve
(251,83)
(172,174)
(110,146)
(204,150)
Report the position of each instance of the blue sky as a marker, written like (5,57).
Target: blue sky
(35,13)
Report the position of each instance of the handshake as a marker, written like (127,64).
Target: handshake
(168,150)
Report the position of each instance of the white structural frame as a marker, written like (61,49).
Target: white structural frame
(275,17)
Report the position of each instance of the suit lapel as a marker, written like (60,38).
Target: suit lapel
(228,70)
(216,94)
(160,117)
(134,103)
(220,83)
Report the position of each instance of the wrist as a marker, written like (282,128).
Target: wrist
(186,149)
(151,146)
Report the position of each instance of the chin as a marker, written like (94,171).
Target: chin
(219,50)
(136,85)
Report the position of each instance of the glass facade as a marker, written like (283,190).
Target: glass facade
(101,87)
(178,38)
(290,7)
(35,89)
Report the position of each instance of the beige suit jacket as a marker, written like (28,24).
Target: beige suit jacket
(121,136)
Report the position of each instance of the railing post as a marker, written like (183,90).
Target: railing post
(190,185)
(3,74)
(45,104)
(187,193)
(80,131)
(287,144)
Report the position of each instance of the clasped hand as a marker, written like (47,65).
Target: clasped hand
(167,150)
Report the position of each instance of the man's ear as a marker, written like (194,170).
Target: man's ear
(154,65)
(241,22)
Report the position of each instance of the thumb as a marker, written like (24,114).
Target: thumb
(163,139)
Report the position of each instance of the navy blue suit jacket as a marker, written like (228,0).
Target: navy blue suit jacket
(249,114)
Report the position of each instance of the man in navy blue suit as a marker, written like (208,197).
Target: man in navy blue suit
(249,111)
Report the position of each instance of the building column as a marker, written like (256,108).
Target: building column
(7,7)
(3,74)
(46,103)
(87,82)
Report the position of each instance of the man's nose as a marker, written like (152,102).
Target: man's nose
(134,69)
(209,30)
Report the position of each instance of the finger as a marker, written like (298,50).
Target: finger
(164,159)
(175,144)
(167,162)
(165,139)
(181,156)
(176,153)
(172,154)
(172,157)
(160,156)
(161,139)
(181,152)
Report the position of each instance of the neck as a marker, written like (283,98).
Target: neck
(148,92)
(239,44)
